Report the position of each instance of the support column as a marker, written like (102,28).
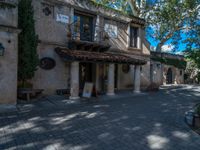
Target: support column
(137,79)
(74,73)
(111,80)
(139,41)
(97,36)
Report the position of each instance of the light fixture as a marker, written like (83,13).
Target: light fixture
(2,49)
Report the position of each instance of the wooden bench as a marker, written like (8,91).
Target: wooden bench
(29,92)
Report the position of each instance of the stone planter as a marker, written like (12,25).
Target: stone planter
(189,118)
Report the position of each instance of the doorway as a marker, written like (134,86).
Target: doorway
(85,74)
(169,76)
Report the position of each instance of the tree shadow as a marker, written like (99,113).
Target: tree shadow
(145,122)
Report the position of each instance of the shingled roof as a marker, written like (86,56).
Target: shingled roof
(105,57)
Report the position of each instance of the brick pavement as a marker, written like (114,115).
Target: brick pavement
(148,122)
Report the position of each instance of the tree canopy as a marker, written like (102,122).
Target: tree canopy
(167,21)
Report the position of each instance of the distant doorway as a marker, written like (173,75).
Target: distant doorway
(169,76)
(116,76)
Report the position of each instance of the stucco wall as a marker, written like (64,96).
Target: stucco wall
(126,80)
(54,34)
(9,17)
(51,34)
(47,28)
(56,78)
(145,75)
(8,68)
(8,62)
(160,74)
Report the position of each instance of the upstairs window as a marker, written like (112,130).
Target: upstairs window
(133,37)
(83,27)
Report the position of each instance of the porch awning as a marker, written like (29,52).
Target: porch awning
(104,57)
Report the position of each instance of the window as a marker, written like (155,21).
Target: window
(83,27)
(181,72)
(133,37)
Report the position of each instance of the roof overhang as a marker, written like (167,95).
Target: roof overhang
(95,57)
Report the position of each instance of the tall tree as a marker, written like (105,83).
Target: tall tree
(27,56)
(171,19)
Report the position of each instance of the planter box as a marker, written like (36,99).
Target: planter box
(189,118)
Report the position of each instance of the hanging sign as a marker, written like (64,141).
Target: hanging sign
(111,30)
(62,18)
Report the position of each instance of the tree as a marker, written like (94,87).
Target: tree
(193,68)
(27,55)
(165,20)
(171,19)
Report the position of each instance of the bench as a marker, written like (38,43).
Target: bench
(29,92)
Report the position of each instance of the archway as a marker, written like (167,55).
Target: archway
(169,76)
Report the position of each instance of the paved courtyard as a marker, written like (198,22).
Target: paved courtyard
(144,122)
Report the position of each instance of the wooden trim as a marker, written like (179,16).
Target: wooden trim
(84,12)
(53,43)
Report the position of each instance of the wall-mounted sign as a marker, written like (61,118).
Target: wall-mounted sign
(111,30)
(62,18)
(47,63)
(125,68)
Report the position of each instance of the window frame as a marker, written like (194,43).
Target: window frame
(133,37)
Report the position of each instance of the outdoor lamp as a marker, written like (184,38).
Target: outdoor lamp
(2,49)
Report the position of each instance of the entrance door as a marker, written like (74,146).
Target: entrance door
(85,74)
(169,76)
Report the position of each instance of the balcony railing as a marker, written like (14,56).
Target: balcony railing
(96,34)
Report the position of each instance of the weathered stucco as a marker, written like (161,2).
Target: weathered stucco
(8,62)
(160,74)
(54,34)
(56,78)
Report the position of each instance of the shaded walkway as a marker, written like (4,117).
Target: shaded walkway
(153,121)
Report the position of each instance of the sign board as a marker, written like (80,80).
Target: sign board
(111,30)
(87,91)
(62,18)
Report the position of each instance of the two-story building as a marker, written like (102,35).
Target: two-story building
(81,41)
(84,42)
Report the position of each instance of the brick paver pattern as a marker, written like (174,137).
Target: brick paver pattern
(149,122)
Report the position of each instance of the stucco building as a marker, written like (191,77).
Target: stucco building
(90,44)
(8,53)
(79,42)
